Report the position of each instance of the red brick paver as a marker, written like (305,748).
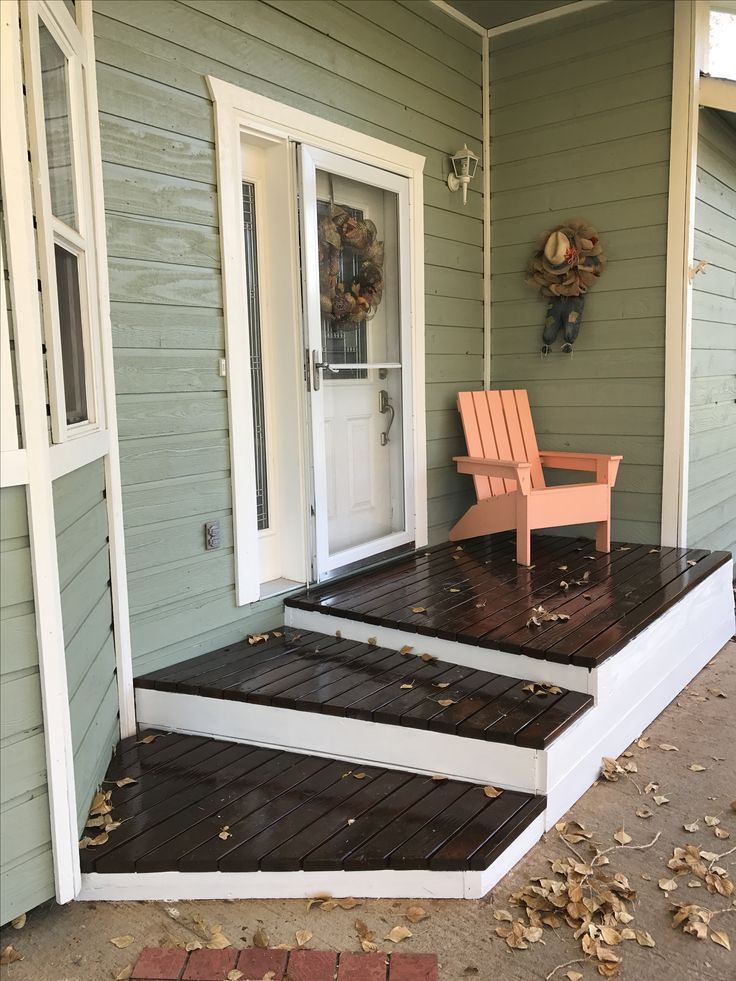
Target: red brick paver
(413,967)
(160,964)
(210,965)
(312,965)
(361,967)
(254,963)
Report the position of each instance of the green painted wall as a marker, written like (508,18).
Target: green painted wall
(80,513)
(26,872)
(400,71)
(712,487)
(580,118)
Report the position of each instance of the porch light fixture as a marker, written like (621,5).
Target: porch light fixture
(464,163)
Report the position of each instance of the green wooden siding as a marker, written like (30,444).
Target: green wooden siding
(712,488)
(580,128)
(80,513)
(400,71)
(26,872)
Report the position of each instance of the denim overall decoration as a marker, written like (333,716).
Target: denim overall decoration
(566,263)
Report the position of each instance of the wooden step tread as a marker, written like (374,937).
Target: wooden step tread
(476,594)
(313,672)
(202,805)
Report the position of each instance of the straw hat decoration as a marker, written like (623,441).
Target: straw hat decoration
(566,263)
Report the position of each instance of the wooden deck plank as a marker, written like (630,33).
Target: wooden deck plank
(469,839)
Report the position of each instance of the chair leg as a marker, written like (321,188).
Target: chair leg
(603,535)
(523,533)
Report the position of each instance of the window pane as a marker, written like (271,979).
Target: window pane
(55,87)
(722,58)
(72,342)
(256,353)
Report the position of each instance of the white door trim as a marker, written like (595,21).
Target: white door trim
(690,49)
(237,110)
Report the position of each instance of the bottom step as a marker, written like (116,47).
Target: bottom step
(207,818)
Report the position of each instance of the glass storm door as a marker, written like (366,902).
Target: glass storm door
(358,321)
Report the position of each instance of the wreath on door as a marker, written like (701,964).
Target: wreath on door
(349,304)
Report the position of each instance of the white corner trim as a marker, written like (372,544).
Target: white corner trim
(688,31)
(718,93)
(460,17)
(113,483)
(487,270)
(13,467)
(47,600)
(546,15)
(75,453)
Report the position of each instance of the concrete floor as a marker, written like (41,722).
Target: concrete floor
(72,943)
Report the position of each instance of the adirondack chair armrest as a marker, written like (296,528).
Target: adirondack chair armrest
(511,469)
(603,465)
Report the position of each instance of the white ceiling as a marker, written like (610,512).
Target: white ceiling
(492,13)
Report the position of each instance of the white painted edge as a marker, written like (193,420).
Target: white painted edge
(24,299)
(8,428)
(378,884)
(718,93)
(690,37)
(546,15)
(13,467)
(460,17)
(75,453)
(113,483)
(572,676)
(336,737)
(487,240)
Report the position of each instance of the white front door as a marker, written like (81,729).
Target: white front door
(358,325)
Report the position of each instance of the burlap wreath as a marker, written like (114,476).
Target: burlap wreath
(567,261)
(349,304)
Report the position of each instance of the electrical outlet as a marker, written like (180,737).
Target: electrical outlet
(212,534)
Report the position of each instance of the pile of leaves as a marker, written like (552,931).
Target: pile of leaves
(100,817)
(540,616)
(595,904)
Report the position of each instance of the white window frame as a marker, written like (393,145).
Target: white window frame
(237,110)
(52,231)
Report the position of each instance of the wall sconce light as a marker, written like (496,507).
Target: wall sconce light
(464,163)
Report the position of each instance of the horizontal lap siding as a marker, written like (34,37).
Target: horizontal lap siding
(712,486)
(401,72)
(580,128)
(80,514)
(26,872)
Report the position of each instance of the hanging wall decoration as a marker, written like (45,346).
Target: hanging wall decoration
(565,265)
(349,303)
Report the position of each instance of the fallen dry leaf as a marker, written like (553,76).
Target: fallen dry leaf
(125,974)
(660,799)
(125,781)
(692,828)
(225,832)
(711,820)
(721,833)
(644,938)
(696,768)
(439,776)
(218,940)
(193,945)
(446,702)
(573,975)
(622,837)
(669,748)
(373,641)
(408,685)
(418,609)
(492,792)
(359,776)
(721,937)
(503,915)
(257,638)
(348,903)
(398,934)
(302,937)
(644,812)
(667,885)
(261,938)
(442,684)
(19,922)
(643,743)
(149,739)
(9,955)
(718,692)
(406,649)
(428,658)
(122,942)
(415,914)
(234,975)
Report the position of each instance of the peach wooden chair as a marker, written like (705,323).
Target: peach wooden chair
(509,482)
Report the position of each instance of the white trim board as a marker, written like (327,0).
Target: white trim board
(378,884)
(519,666)
(336,737)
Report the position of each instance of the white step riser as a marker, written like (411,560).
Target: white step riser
(385,884)
(353,740)
(479,658)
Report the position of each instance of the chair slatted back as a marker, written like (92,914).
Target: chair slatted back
(498,426)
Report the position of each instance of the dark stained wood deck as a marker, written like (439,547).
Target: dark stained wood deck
(313,672)
(475,593)
(286,811)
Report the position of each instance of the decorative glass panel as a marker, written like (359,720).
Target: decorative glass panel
(256,353)
(55,86)
(72,339)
